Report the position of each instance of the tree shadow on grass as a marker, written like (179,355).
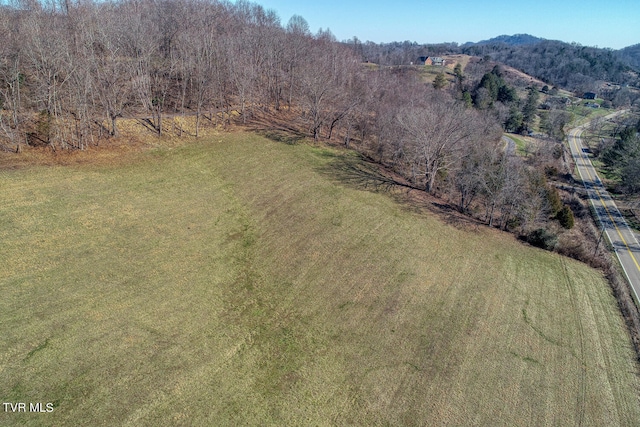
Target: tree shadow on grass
(418,201)
(276,129)
(147,123)
(359,173)
(286,137)
(355,172)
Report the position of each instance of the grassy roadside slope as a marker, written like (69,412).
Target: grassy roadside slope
(237,282)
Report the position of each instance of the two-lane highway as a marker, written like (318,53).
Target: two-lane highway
(615,226)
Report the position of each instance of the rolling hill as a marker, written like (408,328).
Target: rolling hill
(242,281)
(513,40)
(631,55)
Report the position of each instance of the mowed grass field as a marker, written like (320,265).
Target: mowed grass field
(238,281)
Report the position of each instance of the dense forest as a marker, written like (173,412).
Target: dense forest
(574,67)
(630,55)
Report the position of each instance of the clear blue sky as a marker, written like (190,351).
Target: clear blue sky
(603,23)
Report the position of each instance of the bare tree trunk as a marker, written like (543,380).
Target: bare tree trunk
(198,114)
(114,126)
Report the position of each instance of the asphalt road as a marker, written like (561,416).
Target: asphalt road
(622,239)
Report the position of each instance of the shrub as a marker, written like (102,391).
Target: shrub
(513,223)
(565,217)
(553,198)
(576,245)
(542,238)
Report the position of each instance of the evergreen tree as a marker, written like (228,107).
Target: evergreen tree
(492,83)
(514,121)
(565,217)
(530,107)
(440,81)
(496,88)
(466,98)
(553,200)
(457,71)
(507,94)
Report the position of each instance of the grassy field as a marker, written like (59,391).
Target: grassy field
(521,145)
(241,281)
(582,114)
(428,73)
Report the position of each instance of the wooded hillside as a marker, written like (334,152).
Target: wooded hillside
(69,71)
(567,65)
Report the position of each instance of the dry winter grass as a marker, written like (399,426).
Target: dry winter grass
(242,281)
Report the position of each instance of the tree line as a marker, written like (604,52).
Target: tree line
(69,71)
(66,64)
(620,154)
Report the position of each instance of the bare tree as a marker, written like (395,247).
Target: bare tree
(11,78)
(509,191)
(46,55)
(109,61)
(325,77)
(298,38)
(151,30)
(435,133)
(476,164)
(204,65)
(254,54)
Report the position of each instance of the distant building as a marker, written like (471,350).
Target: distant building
(589,95)
(431,60)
